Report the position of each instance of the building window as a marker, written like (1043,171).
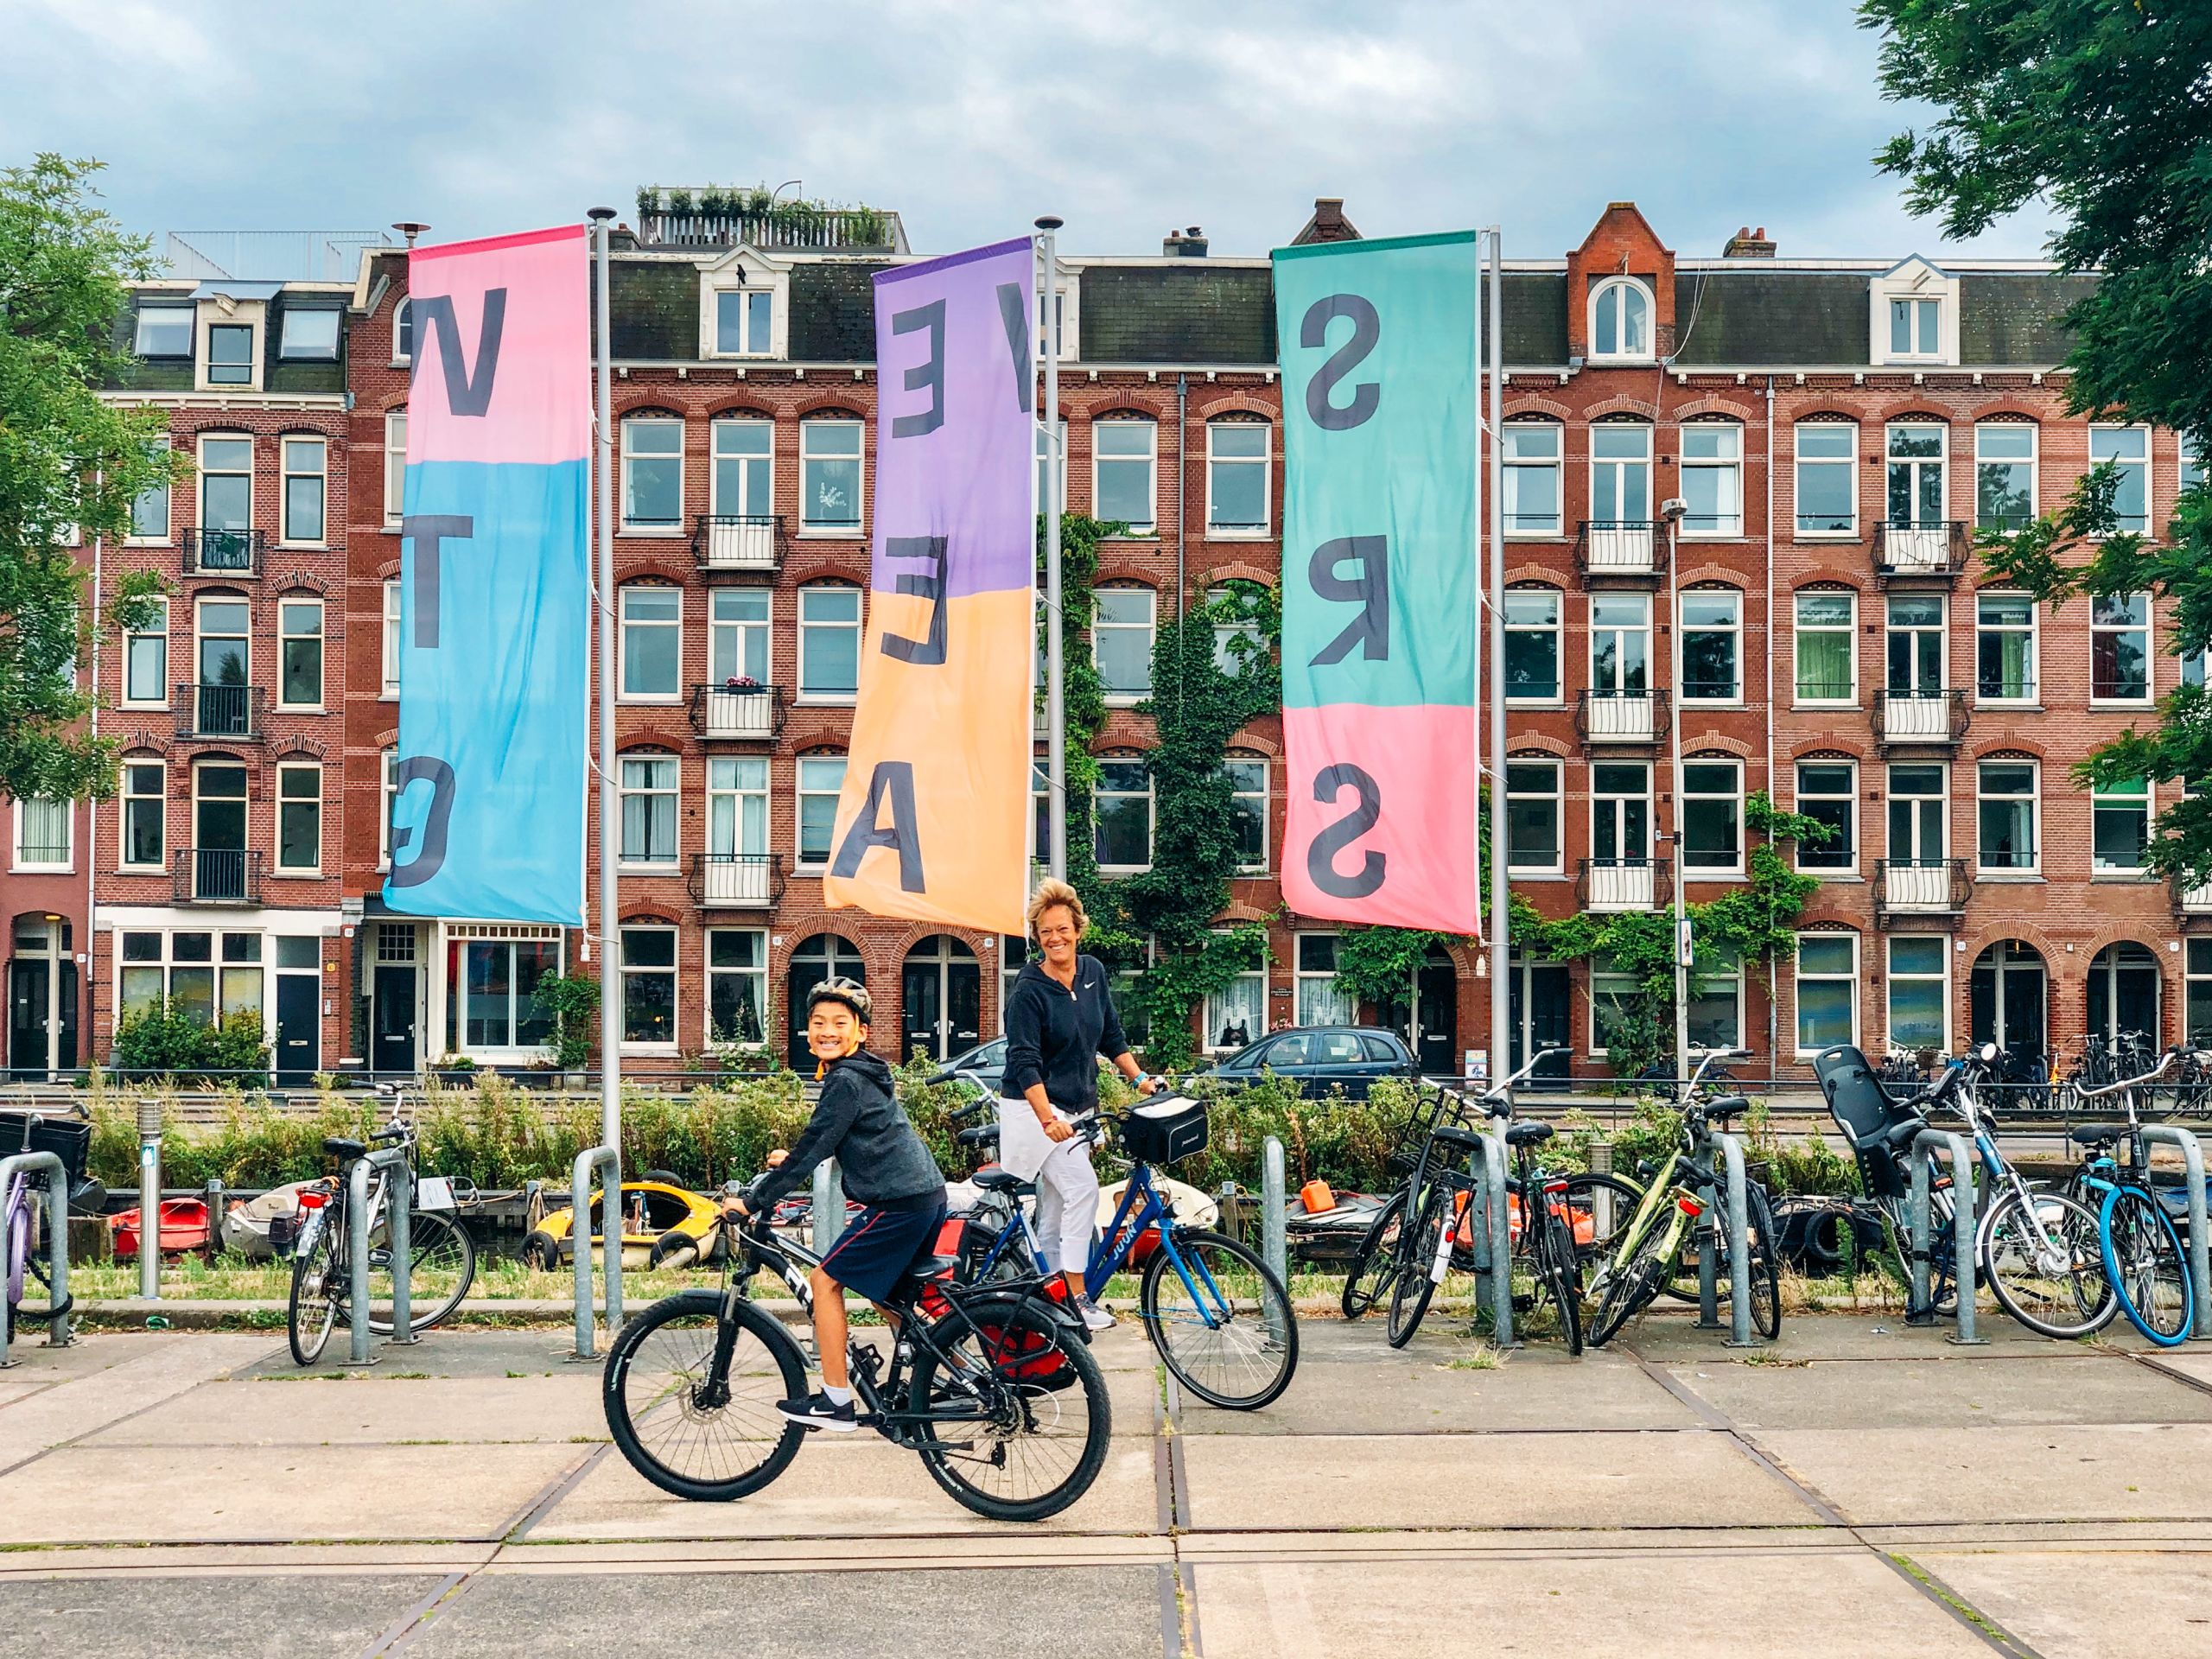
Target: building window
(1320,1000)
(829,477)
(829,640)
(1121,473)
(226,483)
(1920,997)
(737,635)
(1827,477)
(1620,811)
(2120,647)
(1915,328)
(1716,1012)
(389,648)
(1713,815)
(652,473)
(1532,811)
(1826,793)
(1828,990)
(1040,810)
(1712,478)
(402,333)
(820,779)
(223,623)
(1236,1013)
(43,834)
(1532,465)
(649,792)
(230,354)
(1532,641)
(1238,465)
(1045,459)
(1620,319)
(308,337)
(492,994)
(741,319)
(1915,475)
(2192,475)
(1248,806)
(1123,808)
(395,467)
(1827,659)
(1121,642)
(649,987)
(145,811)
(2196,1014)
(1620,643)
(652,643)
(2003,476)
(2127,449)
(146,658)
(737,985)
(299,817)
(1620,473)
(741,483)
(163,331)
(1915,641)
(1064,316)
(1916,809)
(2004,648)
(2005,798)
(390,772)
(299,666)
(304,459)
(737,806)
(2120,826)
(149,509)
(1237,639)
(1712,620)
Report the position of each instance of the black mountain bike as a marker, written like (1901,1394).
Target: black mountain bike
(1004,1406)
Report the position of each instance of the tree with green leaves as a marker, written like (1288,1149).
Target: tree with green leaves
(2098,108)
(70,465)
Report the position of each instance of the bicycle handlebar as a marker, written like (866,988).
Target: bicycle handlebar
(2155,1072)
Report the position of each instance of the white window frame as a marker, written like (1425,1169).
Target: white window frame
(1733,628)
(1923,319)
(251,317)
(282,805)
(649,862)
(1619,466)
(1068,290)
(161,631)
(1981,429)
(65,864)
(180,310)
(1729,526)
(1556,628)
(1263,463)
(165,490)
(1623,633)
(744,269)
(744,506)
(2102,800)
(2034,631)
(1726,971)
(2139,464)
(291,450)
(1151,807)
(1100,627)
(1147,529)
(801,794)
(744,631)
(1913,278)
(1042,446)
(1518,525)
(808,628)
(1556,794)
(1735,797)
(388,644)
(1229,660)
(1891,797)
(709,973)
(629,591)
(1918,464)
(2035,817)
(1624,352)
(403,327)
(1214,1011)
(388,788)
(1247,758)
(672,970)
(200,495)
(1797,998)
(809,429)
(1849,630)
(1846,463)
(395,466)
(1890,977)
(724,772)
(1650,812)
(126,796)
(756,325)
(634,427)
(1342,1007)
(285,605)
(2148,629)
(307,351)
(1849,868)
(2186,459)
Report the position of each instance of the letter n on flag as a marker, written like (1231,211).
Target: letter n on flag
(1380,638)
(933,819)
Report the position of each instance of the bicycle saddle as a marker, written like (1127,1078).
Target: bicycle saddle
(1724,1106)
(932,1267)
(1451,1136)
(996,1179)
(1528,1134)
(338,1147)
(2098,1135)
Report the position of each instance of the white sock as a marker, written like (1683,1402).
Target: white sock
(836,1396)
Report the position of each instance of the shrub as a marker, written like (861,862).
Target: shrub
(164,1041)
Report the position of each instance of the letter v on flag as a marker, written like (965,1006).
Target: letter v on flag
(932,821)
(1381,635)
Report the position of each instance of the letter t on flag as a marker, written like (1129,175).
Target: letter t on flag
(932,821)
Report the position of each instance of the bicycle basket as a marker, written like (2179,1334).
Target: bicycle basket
(1161,1131)
(69,1137)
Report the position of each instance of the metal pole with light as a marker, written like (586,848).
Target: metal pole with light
(610,999)
(1056,741)
(1671,514)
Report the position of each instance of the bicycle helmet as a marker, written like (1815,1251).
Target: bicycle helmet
(845,991)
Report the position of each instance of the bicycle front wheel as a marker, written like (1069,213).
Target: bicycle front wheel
(1597,1210)
(1374,1266)
(1221,1319)
(2143,1259)
(444,1266)
(1634,1282)
(1417,1259)
(689,1433)
(2045,1265)
(1557,1277)
(314,1307)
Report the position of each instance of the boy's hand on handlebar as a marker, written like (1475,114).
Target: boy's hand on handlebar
(777,1157)
(1151,1085)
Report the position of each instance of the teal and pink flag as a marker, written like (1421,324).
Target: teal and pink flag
(1381,634)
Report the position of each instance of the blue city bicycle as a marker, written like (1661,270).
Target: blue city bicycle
(2143,1257)
(1219,1317)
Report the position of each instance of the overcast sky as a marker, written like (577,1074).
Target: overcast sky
(972,117)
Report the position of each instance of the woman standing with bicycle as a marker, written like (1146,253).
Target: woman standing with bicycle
(1059,1022)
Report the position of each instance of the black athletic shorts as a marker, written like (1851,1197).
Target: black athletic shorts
(872,1254)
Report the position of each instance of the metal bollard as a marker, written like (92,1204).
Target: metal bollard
(1500,1235)
(829,1213)
(57,1246)
(610,1228)
(1274,1238)
(1739,1245)
(357,1231)
(149,1197)
(213,1197)
(2200,1247)
(1963,1230)
(1708,1262)
(399,1202)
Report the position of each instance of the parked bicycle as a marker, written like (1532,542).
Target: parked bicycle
(442,1256)
(69,1136)
(1004,1406)
(2138,1246)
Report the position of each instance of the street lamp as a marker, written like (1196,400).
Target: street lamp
(1670,515)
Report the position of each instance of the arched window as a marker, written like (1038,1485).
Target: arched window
(2124,994)
(829,483)
(652,473)
(1620,319)
(1532,449)
(652,642)
(402,333)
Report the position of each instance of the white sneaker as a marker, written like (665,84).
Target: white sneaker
(1095,1317)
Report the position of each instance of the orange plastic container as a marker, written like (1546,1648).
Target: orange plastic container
(1316,1196)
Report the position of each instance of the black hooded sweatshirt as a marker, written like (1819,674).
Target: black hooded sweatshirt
(881,1159)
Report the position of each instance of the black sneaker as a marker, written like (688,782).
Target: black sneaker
(816,1411)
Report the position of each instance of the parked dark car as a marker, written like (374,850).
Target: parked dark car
(1320,1057)
(986,1062)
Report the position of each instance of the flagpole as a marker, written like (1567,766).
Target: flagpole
(1501,1004)
(1056,742)
(610,978)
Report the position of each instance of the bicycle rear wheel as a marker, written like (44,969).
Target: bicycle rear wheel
(444,1266)
(1634,1282)
(1558,1277)
(1419,1244)
(1764,1266)
(1374,1266)
(1598,1210)
(2046,1266)
(679,1430)
(2143,1259)
(1221,1320)
(313,1309)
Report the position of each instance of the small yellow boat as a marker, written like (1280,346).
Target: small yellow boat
(663,1225)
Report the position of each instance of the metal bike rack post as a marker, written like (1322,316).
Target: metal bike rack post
(1739,1247)
(1708,1267)
(149,1197)
(829,1213)
(1501,1236)
(2200,1247)
(610,1230)
(57,1246)
(1964,1233)
(357,1228)
(1274,1238)
(399,1204)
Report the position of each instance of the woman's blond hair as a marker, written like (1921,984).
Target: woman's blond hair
(1052,895)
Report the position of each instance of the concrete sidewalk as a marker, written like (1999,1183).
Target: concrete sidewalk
(1862,1488)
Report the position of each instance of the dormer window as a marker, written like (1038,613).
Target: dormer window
(309,336)
(745,306)
(1620,319)
(1915,328)
(230,354)
(164,331)
(742,322)
(1914,315)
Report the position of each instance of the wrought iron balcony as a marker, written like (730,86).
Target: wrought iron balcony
(2191,903)
(223,552)
(1930,548)
(745,544)
(1626,717)
(1618,884)
(1618,547)
(1906,717)
(736,880)
(1919,887)
(743,711)
(229,713)
(218,875)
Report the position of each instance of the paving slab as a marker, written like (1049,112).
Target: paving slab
(1840,1605)
(1082,1613)
(91,1351)
(371,1410)
(182,1560)
(859,1485)
(2192,1361)
(2076,1388)
(11,1392)
(1686,1478)
(444,1353)
(2069,1472)
(2087,1606)
(233,1494)
(244,1616)
(1672,1337)
(120,1380)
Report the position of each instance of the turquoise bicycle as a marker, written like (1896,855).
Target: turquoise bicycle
(2143,1257)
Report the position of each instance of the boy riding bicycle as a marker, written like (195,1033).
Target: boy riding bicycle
(884,1165)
